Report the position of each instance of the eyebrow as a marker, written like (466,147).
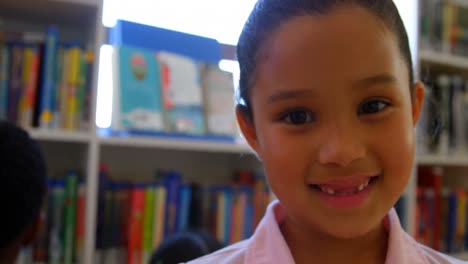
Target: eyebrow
(378,79)
(283,95)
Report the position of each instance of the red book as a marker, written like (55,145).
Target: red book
(80,220)
(135,235)
(431,177)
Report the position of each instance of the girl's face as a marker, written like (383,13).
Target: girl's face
(333,120)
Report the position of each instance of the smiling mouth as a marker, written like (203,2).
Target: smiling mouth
(345,191)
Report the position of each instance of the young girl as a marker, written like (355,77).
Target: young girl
(329,105)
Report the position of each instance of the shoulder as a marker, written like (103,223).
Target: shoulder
(233,254)
(435,257)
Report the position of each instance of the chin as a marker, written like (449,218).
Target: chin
(350,229)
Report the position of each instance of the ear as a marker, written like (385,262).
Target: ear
(247,127)
(418,100)
(32,232)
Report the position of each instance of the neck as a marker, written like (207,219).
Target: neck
(323,248)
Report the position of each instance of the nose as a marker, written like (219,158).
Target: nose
(341,146)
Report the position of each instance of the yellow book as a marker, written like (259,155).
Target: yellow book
(71,122)
(447,26)
(160,206)
(63,94)
(23,107)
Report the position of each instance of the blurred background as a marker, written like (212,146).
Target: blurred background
(132,102)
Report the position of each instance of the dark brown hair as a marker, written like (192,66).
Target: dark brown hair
(267,15)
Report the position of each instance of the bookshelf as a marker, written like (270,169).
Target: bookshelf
(60,136)
(438,56)
(80,21)
(440,160)
(176,144)
(137,155)
(443,59)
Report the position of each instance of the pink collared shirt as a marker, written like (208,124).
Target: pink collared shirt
(267,245)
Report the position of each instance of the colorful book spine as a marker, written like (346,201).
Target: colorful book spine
(80,221)
(148,221)
(136,225)
(100,228)
(452,222)
(87,102)
(461,220)
(158,218)
(71,186)
(40,246)
(81,91)
(172,181)
(184,207)
(48,78)
(71,114)
(4,73)
(56,218)
(29,83)
(63,87)
(15,84)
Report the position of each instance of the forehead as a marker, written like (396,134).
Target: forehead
(341,46)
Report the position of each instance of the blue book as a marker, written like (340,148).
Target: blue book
(201,49)
(4,73)
(172,181)
(47,87)
(184,207)
(227,214)
(249,213)
(451,222)
(137,90)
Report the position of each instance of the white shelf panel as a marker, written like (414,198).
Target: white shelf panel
(60,136)
(439,58)
(176,144)
(462,256)
(451,160)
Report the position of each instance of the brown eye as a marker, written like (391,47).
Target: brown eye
(372,107)
(298,117)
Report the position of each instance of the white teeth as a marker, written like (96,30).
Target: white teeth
(327,190)
(361,187)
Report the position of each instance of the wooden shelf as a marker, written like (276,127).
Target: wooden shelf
(59,136)
(451,160)
(443,59)
(176,144)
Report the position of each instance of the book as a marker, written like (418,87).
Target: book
(48,78)
(135,237)
(4,79)
(181,94)
(56,219)
(137,101)
(148,221)
(29,78)
(218,99)
(71,186)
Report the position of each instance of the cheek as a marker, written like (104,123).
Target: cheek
(286,158)
(396,149)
